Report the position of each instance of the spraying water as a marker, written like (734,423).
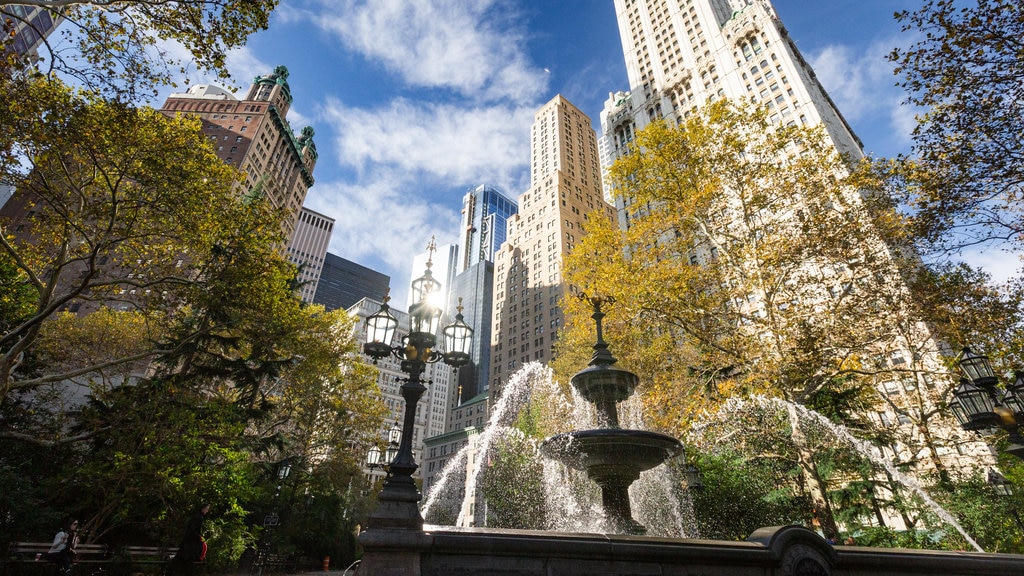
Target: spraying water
(515,394)
(573,502)
(869,451)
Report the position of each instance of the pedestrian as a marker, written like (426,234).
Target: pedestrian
(193,545)
(65,546)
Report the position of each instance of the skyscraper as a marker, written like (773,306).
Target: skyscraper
(682,54)
(254,134)
(308,248)
(30,26)
(565,189)
(485,211)
(343,283)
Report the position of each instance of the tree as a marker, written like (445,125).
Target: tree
(117,207)
(115,46)
(753,265)
(964,184)
(740,496)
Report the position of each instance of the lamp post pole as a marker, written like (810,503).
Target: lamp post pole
(398,500)
(271,521)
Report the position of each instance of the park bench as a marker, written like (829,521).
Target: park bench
(26,554)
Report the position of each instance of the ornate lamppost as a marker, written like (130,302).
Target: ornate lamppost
(271,521)
(979,404)
(398,501)
(375,458)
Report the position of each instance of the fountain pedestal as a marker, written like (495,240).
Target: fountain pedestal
(612,457)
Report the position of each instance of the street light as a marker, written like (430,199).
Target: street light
(377,459)
(397,504)
(979,404)
(271,521)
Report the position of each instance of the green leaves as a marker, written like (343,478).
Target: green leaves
(117,43)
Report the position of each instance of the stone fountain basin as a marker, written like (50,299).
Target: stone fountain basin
(611,453)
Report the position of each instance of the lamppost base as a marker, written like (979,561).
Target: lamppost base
(398,505)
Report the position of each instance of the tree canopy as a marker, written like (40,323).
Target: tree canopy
(754,265)
(152,339)
(963,185)
(119,47)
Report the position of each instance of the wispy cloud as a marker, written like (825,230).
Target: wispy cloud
(382,219)
(446,142)
(862,84)
(473,48)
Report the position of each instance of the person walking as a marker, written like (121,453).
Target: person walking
(65,546)
(193,545)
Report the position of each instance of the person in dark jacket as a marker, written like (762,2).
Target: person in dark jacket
(193,546)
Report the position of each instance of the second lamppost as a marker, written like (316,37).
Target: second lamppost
(398,503)
(979,404)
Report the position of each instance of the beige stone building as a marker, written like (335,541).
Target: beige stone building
(682,54)
(565,190)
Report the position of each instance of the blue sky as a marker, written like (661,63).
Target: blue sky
(416,101)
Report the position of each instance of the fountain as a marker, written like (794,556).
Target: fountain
(612,457)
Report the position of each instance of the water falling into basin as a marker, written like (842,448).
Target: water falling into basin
(840,432)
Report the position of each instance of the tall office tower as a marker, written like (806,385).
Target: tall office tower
(254,134)
(31,25)
(681,54)
(308,248)
(430,411)
(485,211)
(473,289)
(343,283)
(565,190)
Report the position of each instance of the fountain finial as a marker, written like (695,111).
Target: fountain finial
(602,356)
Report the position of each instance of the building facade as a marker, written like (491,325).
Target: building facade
(30,26)
(485,213)
(682,54)
(565,190)
(308,249)
(343,283)
(254,135)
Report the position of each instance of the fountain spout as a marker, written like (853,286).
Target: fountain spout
(612,457)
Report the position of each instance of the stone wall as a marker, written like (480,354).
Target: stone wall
(776,551)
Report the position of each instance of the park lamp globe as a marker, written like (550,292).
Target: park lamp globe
(973,407)
(458,339)
(1014,396)
(424,316)
(978,369)
(380,331)
(373,457)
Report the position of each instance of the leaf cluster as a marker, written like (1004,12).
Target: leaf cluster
(965,71)
(119,47)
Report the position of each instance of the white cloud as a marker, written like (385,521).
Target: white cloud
(1001,264)
(382,218)
(450,143)
(472,48)
(862,84)
(409,164)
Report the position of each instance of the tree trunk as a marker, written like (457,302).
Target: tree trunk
(812,481)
